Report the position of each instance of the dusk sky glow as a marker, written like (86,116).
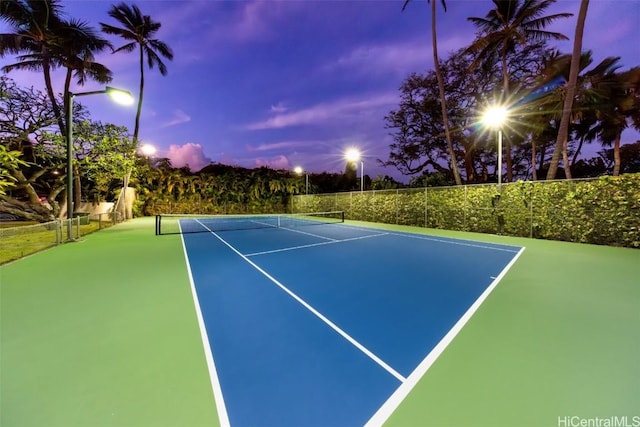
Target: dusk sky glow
(296,83)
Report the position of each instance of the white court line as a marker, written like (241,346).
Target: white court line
(223,416)
(401,392)
(306,305)
(311,245)
(461,243)
(308,234)
(452,241)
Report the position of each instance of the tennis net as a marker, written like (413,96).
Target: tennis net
(179,224)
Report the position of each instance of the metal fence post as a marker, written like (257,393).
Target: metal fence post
(464,210)
(533,189)
(426,208)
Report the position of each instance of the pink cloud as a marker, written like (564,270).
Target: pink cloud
(188,154)
(279,162)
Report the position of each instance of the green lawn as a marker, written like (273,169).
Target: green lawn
(103,332)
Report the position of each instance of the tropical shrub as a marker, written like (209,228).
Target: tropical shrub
(603,211)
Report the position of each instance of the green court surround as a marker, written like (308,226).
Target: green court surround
(103,332)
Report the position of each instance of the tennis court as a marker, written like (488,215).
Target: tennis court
(328,324)
(324,322)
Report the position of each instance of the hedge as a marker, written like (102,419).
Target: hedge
(604,211)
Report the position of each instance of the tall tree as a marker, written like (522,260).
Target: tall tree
(24,115)
(622,90)
(139,30)
(77,54)
(44,41)
(509,24)
(443,100)
(33,38)
(563,131)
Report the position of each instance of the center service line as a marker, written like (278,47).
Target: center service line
(312,245)
(332,325)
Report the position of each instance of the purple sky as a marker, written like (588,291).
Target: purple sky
(287,83)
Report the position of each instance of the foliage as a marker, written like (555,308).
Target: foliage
(104,153)
(43,41)
(101,152)
(217,189)
(507,62)
(25,114)
(419,145)
(9,160)
(383,183)
(602,211)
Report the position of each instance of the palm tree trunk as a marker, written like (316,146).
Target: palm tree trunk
(469,167)
(67,87)
(616,155)
(574,159)
(136,128)
(563,131)
(443,100)
(505,95)
(46,68)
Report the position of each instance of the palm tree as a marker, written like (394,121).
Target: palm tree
(511,23)
(44,42)
(563,131)
(75,49)
(138,30)
(81,42)
(623,93)
(443,100)
(601,103)
(34,24)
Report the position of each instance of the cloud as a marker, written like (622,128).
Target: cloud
(278,162)
(275,146)
(245,21)
(386,57)
(399,58)
(339,110)
(278,108)
(178,117)
(188,154)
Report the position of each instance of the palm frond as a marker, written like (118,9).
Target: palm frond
(130,47)
(162,48)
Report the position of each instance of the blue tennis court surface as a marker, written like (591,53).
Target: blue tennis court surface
(330,325)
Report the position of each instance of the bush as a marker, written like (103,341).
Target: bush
(603,211)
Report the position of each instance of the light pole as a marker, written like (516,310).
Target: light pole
(494,117)
(353,155)
(300,171)
(118,95)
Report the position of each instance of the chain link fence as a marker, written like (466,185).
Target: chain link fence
(604,210)
(17,241)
